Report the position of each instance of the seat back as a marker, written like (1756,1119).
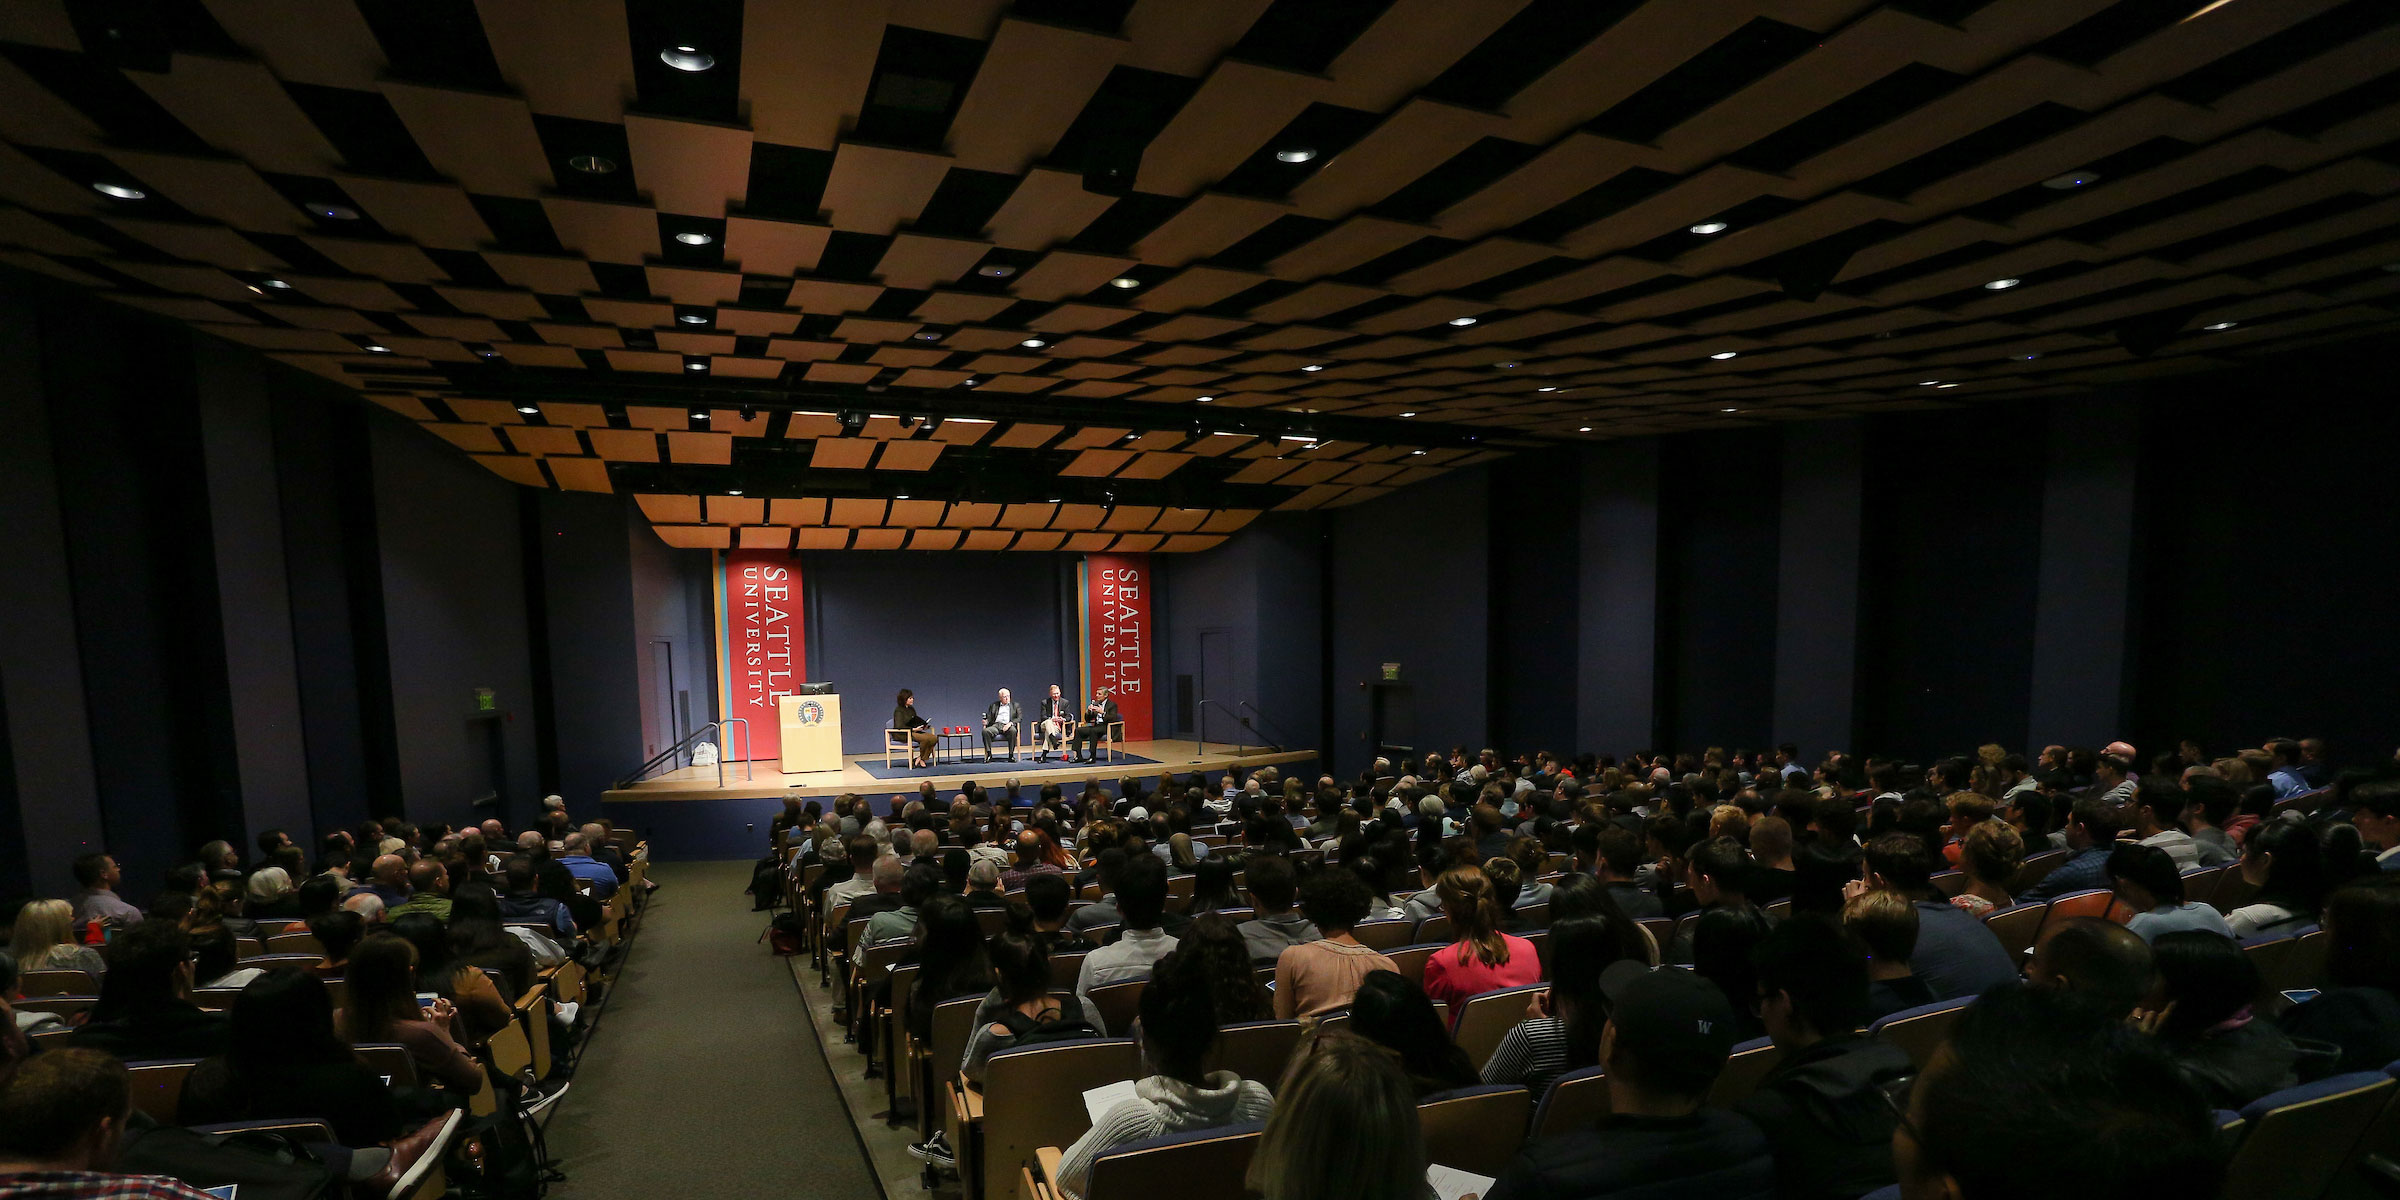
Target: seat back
(1475,1129)
(1101,935)
(1033,1097)
(1436,929)
(1119,1004)
(58,983)
(1535,916)
(1384,935)
(2035,868)
(158,1086)
(1256,1050)
(2200,883)
(2016,926)
(2304,965)
(2269,954)
(1921,1030)
(1661,931)
(2381,1139)
(302,942)
(1485,1019)
(2296,1140)
(1748,1064)
(1411,960)
(1574,1101)
(1204,1164)
(388,1059)
(533,1012)
(63,1007)
(1950,883)
(953,1028)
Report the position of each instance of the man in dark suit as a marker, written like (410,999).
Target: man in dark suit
(1054,723)
(1097,717)
(1000,720)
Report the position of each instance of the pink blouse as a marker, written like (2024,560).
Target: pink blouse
(1454,973)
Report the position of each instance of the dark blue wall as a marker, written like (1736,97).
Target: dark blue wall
(1718,544)
(1536,507)
(955,627)
(1413,588)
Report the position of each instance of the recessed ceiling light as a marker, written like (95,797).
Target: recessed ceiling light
(277,284)
(1546,389)
(1124,281)
(1314,367)
(699,414)
(2071,180)
(693,319)
(1416,452)
(376,348)
(1729,410)
(593,164)
(1943,387)
(691,237)
(927,335)
(255,290)
(529,409)
(733,491)
(1204,400)
(1710,228)
(695,366)
(334,212)
(1408,414)
(1504,365)
(1462,322)
(1585,429)
(969,381)
(2001,285)
(1927,382)
(1722,355)
(2030,357)
(687,58)
(487,354)
(1033,343)
(995,270)
(2220,325)
(119,191)
(1295,154)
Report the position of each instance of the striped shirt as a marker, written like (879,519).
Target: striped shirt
(1533,1054)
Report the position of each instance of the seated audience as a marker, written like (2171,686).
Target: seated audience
(1989,855)
(2147,881)
(578,861)
(1142,898)
(1885,923)
(2156,814)
(44,939)
(1178,1024)
(1483,958)
(1665,1043)
(1824,1106)
(1046,915)
(268,893)
(145,1009)
(1394,1013)
(1213,949)
(2107,964)
(337,933)
(1955,955)
(921,882)
(2091,833)
(2359,1011)
(97,876)
(285,1057)
(62,1118)
(1344,1128)
(428,892)
(482,1011)
(1277,927)
(1722,939)
(983,884)
(382,1007)
(2208,993)
(2038,1093)
(1584,896)
(2285,862)
(1561,1030)
(1020,1002)
(1318,977)
(525,902)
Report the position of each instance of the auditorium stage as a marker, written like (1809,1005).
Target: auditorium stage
(686,814)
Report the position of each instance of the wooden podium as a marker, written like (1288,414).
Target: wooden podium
(811,728)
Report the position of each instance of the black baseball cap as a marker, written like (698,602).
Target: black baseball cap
(1670,1013)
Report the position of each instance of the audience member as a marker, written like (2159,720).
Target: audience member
(1212,948)
(1722,939)
(1955,955)
(1561,1030)
(524,902)
(284,1057)
(62,1118)
(1318,977)
(1885,923)
(2040,1093)
(922,881)
(2106,963)
(383,1007)
(1344,1127)
(1394,1013)
(1824,1107)
(2285,862)
(44,940)
(2090,833)
(1989,854)
(2208,993)
(1620,857)
(2359,1011)
(1142,898)
(1277,927)
(1665,1043)
(2147,881)
(2375,813)
(145,1009)
(97,875)
(1483,958)
(2156,814)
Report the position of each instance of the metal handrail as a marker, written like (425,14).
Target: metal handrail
(749,769)
(1241,747)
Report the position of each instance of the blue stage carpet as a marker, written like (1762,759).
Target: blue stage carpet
(977,766)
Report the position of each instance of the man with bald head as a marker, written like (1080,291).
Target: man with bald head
(1000,721)
(533,845)
(494,831)
(578,861)
(2099,959)
(1029,862)
(390,880)
(429,885)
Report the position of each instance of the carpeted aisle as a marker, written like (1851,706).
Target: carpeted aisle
(704,1079)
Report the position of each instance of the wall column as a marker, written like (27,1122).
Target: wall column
(1816,601)
(2080,623)
(1617,598)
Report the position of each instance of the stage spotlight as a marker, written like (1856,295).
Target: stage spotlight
(852,420)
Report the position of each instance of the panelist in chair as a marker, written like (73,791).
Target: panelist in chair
(920,731)
(1097,717)
(1000,719)
(1054,722)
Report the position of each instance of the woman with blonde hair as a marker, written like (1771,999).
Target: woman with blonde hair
(1990,855)
(44,940)
(1483,958)
(1345,1127)
(1728,820)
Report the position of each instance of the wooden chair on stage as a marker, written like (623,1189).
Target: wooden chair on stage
(898,741)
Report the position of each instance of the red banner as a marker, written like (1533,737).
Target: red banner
(1116,636)
(760,652)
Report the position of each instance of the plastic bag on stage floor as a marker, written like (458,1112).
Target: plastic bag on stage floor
(704,754)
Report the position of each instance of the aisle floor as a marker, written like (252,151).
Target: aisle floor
(704,1079)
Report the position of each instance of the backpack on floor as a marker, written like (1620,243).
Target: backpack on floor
(787,933)
(766,884)
(266,1166)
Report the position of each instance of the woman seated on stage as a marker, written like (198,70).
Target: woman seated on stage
(920,730)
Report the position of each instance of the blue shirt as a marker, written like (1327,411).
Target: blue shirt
(2084,871)
(583,866)
(2287,782)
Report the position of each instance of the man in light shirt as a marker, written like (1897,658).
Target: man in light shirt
(1141,900)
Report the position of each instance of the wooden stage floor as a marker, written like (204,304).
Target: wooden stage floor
(700,783)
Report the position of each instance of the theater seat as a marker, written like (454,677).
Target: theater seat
(1921,1030)
(1255,1050)
(58,983)
(157,1086)
(1119,1004)
(1477,1129)
(2294,1142)
(1385,935)
(1411,960)
(1034,1098)
(1749,1064)
(1486,1018)
(2380,1140)
(2096,902)
(1202,1164)
(1573,1101)
(2016,927)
